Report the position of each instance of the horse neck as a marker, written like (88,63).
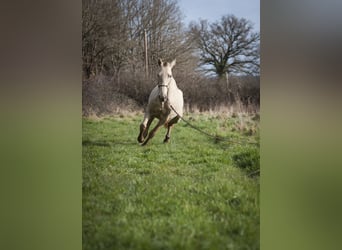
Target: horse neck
(173,84)
(172,90)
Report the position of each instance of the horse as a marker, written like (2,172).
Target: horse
(163,100)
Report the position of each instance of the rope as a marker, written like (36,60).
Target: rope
(254,173)
(216,137)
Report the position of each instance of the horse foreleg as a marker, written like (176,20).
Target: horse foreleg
(153,132)
(144,126)
(169,127)
(148,126)
(141,134)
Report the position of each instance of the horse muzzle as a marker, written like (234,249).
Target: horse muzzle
(162,98)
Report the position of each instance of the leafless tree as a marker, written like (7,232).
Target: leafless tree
(229,45)
(113,33)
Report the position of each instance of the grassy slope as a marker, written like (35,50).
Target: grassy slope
(183,195)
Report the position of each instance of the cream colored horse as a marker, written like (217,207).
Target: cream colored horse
(165,94)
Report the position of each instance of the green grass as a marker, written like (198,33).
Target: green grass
(187,194)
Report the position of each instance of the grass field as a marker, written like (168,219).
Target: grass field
(192,193)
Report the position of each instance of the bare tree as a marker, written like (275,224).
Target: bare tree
(98,23)
(227,46)
(113,35)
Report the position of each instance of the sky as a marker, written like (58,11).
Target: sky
(213,10)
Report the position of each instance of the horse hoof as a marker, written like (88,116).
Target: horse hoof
(145,134)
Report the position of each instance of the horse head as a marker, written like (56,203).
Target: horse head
(164,79)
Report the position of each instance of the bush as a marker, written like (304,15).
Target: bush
(101,95)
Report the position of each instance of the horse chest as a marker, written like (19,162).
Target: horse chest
(160,110)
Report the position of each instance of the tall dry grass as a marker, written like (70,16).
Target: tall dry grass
(105,95)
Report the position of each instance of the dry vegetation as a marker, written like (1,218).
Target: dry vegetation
(103,96)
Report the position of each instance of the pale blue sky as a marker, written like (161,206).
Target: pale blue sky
(213,10)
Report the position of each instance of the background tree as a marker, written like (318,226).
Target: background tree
(113,35)
(229,45)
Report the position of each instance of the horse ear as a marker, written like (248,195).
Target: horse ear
(160,62)
(173,63)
